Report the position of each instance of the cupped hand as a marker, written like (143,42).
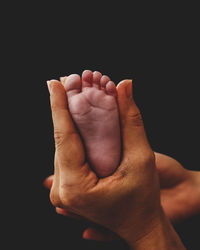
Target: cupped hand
(180,192)
(127,201)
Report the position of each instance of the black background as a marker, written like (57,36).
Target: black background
(157,45)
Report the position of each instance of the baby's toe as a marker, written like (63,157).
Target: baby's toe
(111,88)
(96,79)
(104,80)
(87,76)
(72,85)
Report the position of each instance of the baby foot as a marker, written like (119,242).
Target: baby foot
(93,106)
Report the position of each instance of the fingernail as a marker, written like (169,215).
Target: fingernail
(129,88)
(86,236)
(62,79)
(49,86)
(57,210)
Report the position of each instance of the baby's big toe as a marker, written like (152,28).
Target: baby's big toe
(72,85)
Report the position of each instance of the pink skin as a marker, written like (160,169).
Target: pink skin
(93,106)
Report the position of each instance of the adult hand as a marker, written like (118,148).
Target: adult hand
(180,189)
(128,202)
(180,192)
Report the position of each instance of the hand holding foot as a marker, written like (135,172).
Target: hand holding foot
(180,192)
(126,202)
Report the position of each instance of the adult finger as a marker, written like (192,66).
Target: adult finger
(61,118)
(133,132)
(64,212)
(98,234)
(69,148)
(72,173)
(48,182)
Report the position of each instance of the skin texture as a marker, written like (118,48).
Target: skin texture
(180,192)
(180,189)
(93,106)
(127,202)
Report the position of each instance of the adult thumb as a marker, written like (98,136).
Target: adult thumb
(133,133)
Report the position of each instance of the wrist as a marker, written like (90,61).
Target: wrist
(195,181)
(161,236)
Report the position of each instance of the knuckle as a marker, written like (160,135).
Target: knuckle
(59,137)
(144,158)
(136,118)
(64,198)
(54,198)
(64,135)
(149,158)
(68,197)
